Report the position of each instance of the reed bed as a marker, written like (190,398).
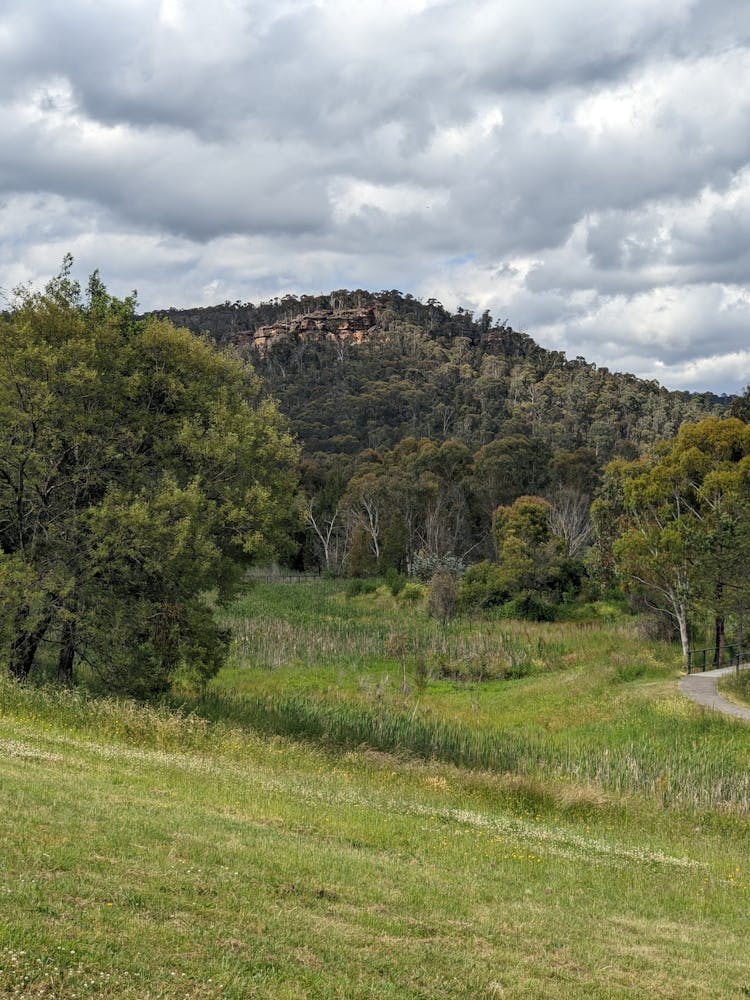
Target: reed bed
(598,705)
(269,643)
(673,770)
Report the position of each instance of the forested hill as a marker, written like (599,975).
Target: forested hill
(357,370)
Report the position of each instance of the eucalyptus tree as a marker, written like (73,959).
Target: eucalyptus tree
(676,523)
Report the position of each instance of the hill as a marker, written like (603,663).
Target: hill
(416,423)
(356,370)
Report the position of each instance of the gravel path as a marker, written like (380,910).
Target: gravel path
(702,688)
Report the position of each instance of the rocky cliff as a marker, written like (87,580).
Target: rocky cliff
(351,325)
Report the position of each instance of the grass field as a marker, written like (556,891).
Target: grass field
(155,851)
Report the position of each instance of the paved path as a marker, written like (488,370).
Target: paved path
(702,688)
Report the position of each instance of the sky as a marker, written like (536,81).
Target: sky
(579,168)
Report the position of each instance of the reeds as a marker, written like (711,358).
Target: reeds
(711,776)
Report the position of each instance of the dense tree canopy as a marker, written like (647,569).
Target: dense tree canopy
(676,524)
(139,469)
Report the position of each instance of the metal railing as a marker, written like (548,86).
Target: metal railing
(713,657)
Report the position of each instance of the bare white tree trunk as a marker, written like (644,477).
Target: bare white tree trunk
(569,518)
(324,529)
(371,521)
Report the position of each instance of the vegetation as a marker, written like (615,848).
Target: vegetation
(162,851)
(584,700)
(409,783)
(139,467)
(678,524)
(415,433)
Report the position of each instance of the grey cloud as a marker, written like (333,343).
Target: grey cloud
(224,138)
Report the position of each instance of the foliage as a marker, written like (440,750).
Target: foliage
(529,554)
(424,372)
(356,587)
(416,431)
(425,566)
(394,581)
(676,524)
(530,606)
(139,468)
(483,585)
(411,593)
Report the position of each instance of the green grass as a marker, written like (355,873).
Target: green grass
(148,855)
(736,687)
(307,828)
(598,704)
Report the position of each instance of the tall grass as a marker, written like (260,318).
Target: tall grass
(705,769)
(278,627)
(599,705)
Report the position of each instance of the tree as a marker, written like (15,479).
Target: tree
(139,468)
(530,555)
(571,521)
(741,406)
(677,523)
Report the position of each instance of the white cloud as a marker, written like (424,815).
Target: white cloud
(580,169)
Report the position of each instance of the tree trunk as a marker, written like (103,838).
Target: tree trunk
(67,653)
(719,626)
(680,613)
(718,640)
(25,644)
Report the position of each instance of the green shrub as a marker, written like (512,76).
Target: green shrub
(412,593)
(529,606)
(394,580)
(482,586)
(356,587)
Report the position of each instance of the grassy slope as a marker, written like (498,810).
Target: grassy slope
(269,869)
(148,854)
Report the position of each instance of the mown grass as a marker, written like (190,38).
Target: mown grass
(152,854)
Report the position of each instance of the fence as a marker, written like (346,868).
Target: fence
(283,577)
(729,655)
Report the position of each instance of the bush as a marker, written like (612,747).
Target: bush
(412,593)
(443,597)
(531,607)
(425,565)
(356,587)
(394,581)
(567,579)
(482,586)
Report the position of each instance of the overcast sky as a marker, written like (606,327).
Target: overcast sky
(577,167)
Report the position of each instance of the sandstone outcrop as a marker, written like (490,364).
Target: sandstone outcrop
(344,325)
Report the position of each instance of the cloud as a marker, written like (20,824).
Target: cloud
(582,170)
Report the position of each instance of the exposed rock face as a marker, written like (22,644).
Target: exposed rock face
(350,325)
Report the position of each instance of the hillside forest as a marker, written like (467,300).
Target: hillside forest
(417,424)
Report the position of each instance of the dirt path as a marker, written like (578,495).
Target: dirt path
(702,688)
